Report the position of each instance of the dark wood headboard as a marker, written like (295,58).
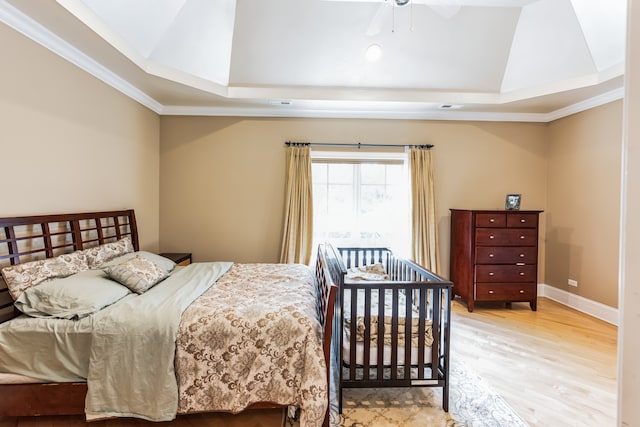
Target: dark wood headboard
(29,238)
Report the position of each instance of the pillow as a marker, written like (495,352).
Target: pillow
(103,253)
(21,277)
(138,274)
(373,272)
(160,261)
(73,297)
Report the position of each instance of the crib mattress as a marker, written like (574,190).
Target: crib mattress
(386,358)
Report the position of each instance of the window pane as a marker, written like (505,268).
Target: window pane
(319,173)
(372,198)
(395,174)
(340,199)
(320,206)
(340,173)
(372,173)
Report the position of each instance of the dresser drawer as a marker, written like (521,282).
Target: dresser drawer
(506,291)
(491,220)
(506,237)
(506,273)
(522,220)
(506,254)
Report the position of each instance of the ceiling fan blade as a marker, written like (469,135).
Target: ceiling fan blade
(445,8)
(382,15)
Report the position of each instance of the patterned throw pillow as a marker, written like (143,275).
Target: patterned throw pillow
(23,276)
(103,253)
(138,274)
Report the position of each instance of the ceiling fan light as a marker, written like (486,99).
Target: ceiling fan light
(373,52)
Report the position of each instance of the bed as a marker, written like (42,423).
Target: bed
(389,310)
(224,336)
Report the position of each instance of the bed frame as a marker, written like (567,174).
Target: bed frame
(28,238)
(422,288)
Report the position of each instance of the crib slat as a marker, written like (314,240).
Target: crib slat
(367,331)
(394,334)
(408,323)
(421,330)
(352,333)
(380,348)
(435,347)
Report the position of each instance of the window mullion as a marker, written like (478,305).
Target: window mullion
(357,196)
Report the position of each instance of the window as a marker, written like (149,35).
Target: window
(361,199)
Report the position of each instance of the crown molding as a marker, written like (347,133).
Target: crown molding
(353,114)
(35,31)
(587,104)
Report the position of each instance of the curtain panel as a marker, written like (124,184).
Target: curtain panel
(424,229)
(298,215)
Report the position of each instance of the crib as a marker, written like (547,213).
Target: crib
(392,322)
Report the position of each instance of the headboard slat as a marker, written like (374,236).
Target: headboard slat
(117,225)
(12,244)
(47,240)
(98,225)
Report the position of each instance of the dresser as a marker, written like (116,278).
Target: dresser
(494,256)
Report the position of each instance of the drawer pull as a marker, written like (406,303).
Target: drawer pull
(492,220)
(492,237)
(490,255)
(522,237)
(491,273)
(522,273)
(522,291)
(523,220)
(490,291)
(520,263)
(521,255)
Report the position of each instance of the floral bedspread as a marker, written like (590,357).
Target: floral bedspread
(253,337)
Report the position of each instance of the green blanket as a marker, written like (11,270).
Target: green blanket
(131,366)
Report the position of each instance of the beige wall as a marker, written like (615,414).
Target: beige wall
(71,143)
(222,179)
(583,200)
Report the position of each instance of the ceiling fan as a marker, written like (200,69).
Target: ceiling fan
(385,13)
(445,8)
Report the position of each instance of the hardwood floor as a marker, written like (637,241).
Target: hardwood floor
(555,366)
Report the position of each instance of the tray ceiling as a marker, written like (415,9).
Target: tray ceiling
(470,59)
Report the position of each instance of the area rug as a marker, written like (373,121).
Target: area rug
(472,403)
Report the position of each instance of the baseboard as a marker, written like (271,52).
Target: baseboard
(587,306)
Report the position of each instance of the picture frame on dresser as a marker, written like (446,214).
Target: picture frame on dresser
(512,203)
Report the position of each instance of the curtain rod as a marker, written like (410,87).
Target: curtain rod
(358,145)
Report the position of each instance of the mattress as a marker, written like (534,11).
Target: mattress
(6,378)
(386,358)
(57,348)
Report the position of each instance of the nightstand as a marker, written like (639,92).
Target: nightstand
(178,258)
